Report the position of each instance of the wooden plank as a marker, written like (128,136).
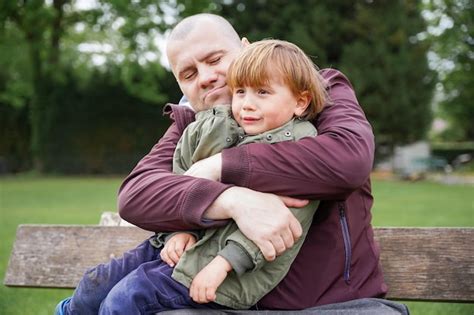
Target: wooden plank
(433,264)
(57,256)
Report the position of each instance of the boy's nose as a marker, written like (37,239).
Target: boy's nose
(248,103)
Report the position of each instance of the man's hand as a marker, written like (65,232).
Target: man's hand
(209,168)
(264,218)
(204,285)
(176,246)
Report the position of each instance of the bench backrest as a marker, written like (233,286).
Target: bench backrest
(432,264)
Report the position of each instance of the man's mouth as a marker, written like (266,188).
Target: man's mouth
(212,92)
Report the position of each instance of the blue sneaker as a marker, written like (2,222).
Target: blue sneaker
(60,308)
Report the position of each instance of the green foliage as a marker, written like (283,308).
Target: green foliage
(375,43)
(14,142)
(103,128)
(452,32)
(388,66)
(56,82)
(451,150)
(15,69)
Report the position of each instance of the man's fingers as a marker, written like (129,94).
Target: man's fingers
(268,251)
(278,245)
(296,228)
(288,238)
(293,202)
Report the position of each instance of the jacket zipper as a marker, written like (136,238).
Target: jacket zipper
(347,242)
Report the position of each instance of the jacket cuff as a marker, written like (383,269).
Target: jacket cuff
(237,257)
(200,196)
(236,166)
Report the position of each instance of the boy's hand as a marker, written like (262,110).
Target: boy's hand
(208,168)
(204,285)
(176,246)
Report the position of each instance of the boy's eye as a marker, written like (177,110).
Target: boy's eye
(262,91)
(239,91)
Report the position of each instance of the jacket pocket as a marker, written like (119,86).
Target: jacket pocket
(347,242)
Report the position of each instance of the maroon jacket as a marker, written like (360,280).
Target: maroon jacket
(339,260)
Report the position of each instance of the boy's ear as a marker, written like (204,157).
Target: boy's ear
(245,42)
(302,103)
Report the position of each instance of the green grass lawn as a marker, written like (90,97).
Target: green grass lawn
(80,200)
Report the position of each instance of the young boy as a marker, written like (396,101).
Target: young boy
(275,88)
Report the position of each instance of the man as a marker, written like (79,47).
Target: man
(339,260)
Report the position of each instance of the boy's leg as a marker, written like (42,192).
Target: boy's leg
(148,290)
(98,281)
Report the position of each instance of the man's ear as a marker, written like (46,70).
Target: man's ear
(302,102)
(245,42)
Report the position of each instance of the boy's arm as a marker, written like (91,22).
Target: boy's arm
(205,283)
(244,255)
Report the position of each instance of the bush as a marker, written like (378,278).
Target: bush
(99,128)
(14,142)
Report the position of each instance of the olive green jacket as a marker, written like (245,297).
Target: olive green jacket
(252,276)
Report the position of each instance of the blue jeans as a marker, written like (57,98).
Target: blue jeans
(137,283)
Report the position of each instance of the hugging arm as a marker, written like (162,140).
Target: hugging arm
(155,199)
(330,166)
(327,167)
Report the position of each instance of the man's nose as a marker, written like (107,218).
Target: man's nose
(207,77)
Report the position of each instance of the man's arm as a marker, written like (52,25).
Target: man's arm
(329,166)
(154,198)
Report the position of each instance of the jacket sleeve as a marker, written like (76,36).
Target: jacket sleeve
(327,167)
(244,255)
(155,199)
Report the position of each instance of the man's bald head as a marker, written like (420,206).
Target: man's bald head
(195,22)
(200,49)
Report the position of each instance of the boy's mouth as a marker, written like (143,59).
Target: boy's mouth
(250,119)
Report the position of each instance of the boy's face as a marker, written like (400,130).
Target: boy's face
(259,109)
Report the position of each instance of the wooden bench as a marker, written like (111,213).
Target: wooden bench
(422,264)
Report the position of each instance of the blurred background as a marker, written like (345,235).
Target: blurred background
(83,84)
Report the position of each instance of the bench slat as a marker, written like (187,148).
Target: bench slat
(57,256)
(433,264)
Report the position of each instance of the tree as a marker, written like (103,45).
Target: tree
(51,32)
(375,43)
(452,30)
(387,63)
(41,28)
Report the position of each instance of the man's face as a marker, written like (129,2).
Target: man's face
(200,63)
